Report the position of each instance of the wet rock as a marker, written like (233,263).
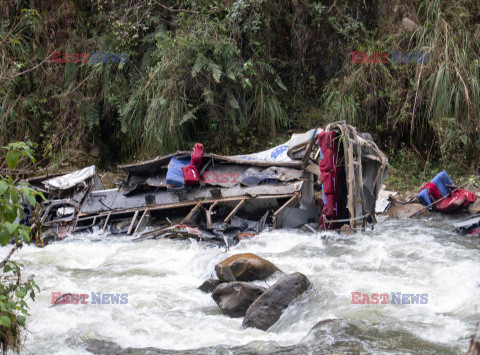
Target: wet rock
(474,208)
(354,336)
(406,197)
(245,267)
(474,348)
(268,308)
(470,187)
(97,346)
(406,211)
(209,285)
(234,298)
(346,229)
(336,326)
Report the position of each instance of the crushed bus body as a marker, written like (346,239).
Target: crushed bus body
(222,199)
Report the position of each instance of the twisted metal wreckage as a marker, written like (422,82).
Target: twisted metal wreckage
(237,197)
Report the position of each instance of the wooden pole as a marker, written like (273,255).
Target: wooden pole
(440,199)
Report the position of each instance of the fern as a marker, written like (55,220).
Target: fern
(90,115)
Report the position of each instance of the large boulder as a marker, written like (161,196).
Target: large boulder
(354,336)
(234,298)
(245,267)
(268,308)
(407,210)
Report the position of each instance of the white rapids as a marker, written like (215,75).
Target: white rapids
(165,310)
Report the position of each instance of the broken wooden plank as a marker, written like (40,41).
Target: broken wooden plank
(276,222)
(209,215)
(106,221)
(314,169)
(185,204)
(237,207)
(360,182)
(132,223)
(286,204)
(192,215)
(350,172)
(306,157)
(141,219)
(75,223)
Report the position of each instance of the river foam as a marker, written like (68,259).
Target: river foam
(165,310)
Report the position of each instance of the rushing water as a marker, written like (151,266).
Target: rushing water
(166,312)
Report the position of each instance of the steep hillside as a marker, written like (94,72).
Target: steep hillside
(238,76)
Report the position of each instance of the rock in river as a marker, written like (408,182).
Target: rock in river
(244,267)
(268,308)
(234,298)
(407,210)
(474,208)
(209,285)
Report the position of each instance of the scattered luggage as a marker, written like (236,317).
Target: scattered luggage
(175,171)
(441,195)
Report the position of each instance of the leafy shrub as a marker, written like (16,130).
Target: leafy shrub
(14,290)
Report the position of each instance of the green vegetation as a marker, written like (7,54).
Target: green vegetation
(238,75)
(409,172)
(14,290)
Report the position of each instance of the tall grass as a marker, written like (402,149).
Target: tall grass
(451,91)
(433,106)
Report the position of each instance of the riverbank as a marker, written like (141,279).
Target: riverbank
(408,172)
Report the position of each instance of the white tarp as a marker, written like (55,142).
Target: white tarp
(299,139)
(70,180)
(280,152)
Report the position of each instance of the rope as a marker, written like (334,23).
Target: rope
(346,220)
(440,199)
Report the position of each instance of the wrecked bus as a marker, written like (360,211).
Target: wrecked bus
(233,197)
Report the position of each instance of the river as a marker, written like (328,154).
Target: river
(166,313)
